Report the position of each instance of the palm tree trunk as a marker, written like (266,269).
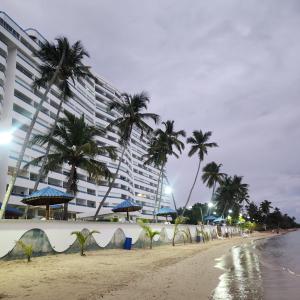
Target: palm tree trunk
(111,184)
(157,189)
(173,198)
(48,147)
(190,194)
(36,185)
(69,190)
(213,192)
(224,209)
(27,138)
(161,189)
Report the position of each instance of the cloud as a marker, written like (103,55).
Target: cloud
(227,66)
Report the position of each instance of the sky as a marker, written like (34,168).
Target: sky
(231,67)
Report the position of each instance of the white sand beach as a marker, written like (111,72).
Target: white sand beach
(166,272)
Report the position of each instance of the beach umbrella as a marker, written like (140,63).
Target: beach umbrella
(219,220)
(47,196)
(166,211)
(11,211)
(210,218)
(127,206)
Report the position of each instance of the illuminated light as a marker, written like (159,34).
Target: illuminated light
(214,213)
(230,211)
(168,190)
(5,137)
(210,205)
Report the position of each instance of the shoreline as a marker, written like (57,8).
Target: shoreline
(166,272)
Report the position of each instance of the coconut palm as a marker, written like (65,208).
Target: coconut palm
(60,63)
(231,194)
(72,68)
(265,208)
(74,143)
(212,176)
(165,142)
(131,110)
(200,145)
(149,232)
(82,239)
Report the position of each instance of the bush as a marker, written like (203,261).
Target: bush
(27,249)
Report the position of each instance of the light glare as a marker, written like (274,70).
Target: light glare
(5,137)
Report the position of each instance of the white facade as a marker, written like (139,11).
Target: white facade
(18,67)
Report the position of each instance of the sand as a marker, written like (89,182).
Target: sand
(166,272)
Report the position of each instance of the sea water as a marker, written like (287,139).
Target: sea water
(266,269)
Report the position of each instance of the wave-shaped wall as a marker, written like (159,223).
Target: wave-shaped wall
(50,237)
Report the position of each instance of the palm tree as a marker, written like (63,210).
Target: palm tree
(73,143)
(72,68)
(131,109)
(231,194)
(60,62)
(82,239)
(149,232)
(200,145)
(165,143)
(212,175)
(265,208)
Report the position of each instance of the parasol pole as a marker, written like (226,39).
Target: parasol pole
(47,211)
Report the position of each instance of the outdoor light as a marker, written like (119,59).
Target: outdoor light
(5,137)
(210,204)
(168,190)
(230,211)
(214,213)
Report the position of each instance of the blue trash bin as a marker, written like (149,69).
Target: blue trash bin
(128,243)
(198,238)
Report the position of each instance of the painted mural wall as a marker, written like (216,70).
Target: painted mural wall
(53,237)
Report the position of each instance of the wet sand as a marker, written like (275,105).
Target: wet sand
(166,272)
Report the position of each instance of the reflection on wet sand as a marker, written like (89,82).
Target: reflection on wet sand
(242,277)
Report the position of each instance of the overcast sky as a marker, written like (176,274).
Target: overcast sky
(232,67)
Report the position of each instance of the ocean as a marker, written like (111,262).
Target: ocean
(267,269)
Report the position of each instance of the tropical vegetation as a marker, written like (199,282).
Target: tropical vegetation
(60,63)
(74,143)
(149,232)
(199,145)
(82,239)
(132,113)
(165,142)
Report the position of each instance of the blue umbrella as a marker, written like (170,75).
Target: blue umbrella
(210,218)
(12,211)
(47,196)
(166,211)
(127,206)
(219,220)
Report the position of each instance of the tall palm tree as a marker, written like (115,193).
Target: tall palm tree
(212,176)
(59,62)
(131,110)
(72,68)
(232,194)
(165,143)
(200,145)
(74,143)
(265,208)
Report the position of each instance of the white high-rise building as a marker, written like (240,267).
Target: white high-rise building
(18,68)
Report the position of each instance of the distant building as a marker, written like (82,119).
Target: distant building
(18,68)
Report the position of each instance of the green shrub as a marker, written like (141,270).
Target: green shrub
(82,239)
(27,249)
(150,233)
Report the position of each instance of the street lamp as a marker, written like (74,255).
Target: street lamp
(5,137)
(168,190)
(210,205)
(230,211)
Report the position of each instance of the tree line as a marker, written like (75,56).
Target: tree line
(72,141)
